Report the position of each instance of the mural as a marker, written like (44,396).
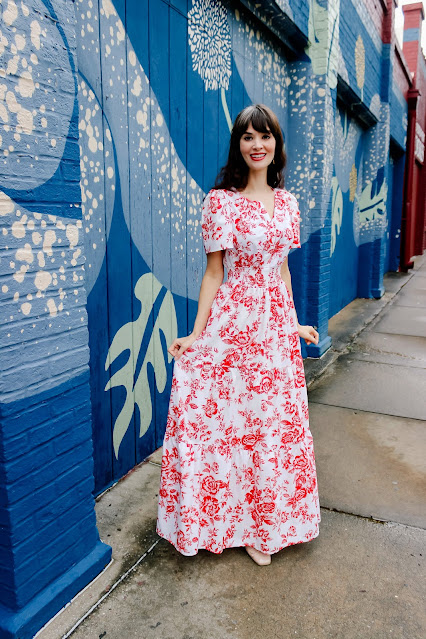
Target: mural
(42,269)
(50,543)
(210,43)
(158,86)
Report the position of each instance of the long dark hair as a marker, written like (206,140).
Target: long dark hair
(235,171)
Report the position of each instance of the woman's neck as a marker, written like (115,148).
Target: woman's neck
(257,182)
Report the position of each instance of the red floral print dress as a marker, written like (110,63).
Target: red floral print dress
(238,465)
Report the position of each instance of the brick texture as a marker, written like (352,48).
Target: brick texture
(47,520)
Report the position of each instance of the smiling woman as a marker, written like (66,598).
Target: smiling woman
(256,132)
(238,464)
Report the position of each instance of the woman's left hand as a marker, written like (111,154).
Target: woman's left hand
(308,333)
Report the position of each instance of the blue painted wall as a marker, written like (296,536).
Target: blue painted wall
(49,543)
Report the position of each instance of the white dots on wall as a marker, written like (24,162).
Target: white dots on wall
(26,308)
(42,280)
(18,228)
(10,13)
(25,254)
(72,234)
(53,311)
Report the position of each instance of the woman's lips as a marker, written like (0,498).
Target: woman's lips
(256,157)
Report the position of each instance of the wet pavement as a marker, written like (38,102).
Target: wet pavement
(363,576)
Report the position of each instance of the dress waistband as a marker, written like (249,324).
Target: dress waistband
(255,275)
(255,269)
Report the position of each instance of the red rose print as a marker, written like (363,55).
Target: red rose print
(233,358)
(210,506)
(266,384)
(210,408)
(249,441)
(288,437)
(205,370)
(181,541)
(300,462)
(237,294)
(210,485)
(300,379)
(242,338)
(266,507)
(301,493)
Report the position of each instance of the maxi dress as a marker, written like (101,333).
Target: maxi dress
(238,465)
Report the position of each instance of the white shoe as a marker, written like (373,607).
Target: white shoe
(260,558)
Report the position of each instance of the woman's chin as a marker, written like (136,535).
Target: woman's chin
(258,165)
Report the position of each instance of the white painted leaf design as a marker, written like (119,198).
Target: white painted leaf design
(336,212)
(372,203)
(129,338)
(165,322)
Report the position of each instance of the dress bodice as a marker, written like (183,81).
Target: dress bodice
(251,238)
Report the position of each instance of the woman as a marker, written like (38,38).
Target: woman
(238,464)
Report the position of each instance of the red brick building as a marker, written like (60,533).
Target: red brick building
(413,231)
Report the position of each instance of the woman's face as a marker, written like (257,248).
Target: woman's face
(257,148)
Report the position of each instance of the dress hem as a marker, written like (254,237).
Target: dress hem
(219,552)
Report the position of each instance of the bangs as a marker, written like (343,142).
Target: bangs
(261,122)
(258,118)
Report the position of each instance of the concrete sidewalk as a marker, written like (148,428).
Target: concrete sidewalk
(364,576)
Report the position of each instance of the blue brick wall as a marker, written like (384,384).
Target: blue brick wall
(353,30)
(47,518)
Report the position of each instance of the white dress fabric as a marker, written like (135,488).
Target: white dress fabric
(238,466)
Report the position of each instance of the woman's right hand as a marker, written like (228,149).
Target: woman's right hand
(180,344)
(308,333)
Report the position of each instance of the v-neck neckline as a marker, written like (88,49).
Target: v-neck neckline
(271,219)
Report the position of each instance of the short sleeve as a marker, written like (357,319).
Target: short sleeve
(216,221)
(295,221)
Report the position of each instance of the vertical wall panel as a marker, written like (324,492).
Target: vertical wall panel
(160,74)
(90,98)
(120,298)
(195,163)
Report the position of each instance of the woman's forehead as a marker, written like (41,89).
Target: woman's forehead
(251,129)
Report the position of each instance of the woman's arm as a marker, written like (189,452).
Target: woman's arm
(308,333)
(212,279)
